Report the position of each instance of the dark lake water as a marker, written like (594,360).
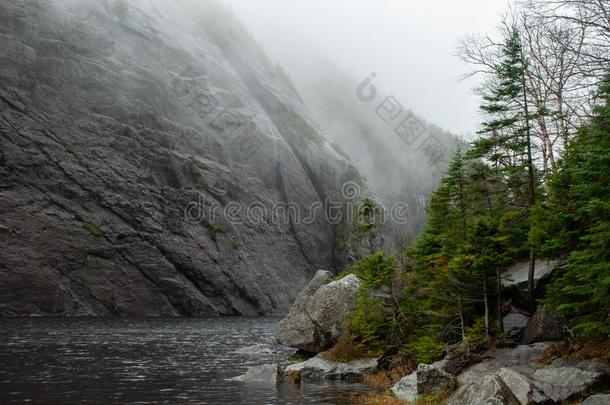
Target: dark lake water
(147,361)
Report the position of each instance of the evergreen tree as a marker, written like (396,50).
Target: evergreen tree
(576,219)
(460,249)
(505,140)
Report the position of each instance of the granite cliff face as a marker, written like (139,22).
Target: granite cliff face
(125,129)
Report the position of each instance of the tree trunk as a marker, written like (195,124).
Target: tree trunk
(530,280)
(499,299)
(486,301)
(531,182)
(461,319)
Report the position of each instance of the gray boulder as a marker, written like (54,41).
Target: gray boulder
(505,386)
(564,381)
(432,379)
(522,387)
(543,326)
(297,329)
(426,379)
(522,356)
(315,321)
(514,323)
(600,399)
(517,274)
(266,373)
(515,279)
(406,388)
(486,391)
(319,368)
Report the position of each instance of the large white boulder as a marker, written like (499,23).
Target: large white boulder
(316,319)
(406,388)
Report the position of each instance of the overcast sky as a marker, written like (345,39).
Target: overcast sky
(410,45)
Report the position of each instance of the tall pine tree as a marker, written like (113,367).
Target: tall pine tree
(506,141)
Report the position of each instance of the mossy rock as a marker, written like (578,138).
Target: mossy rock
(299,357)
(93,229)
(197,163)
(200,184)
(219,228)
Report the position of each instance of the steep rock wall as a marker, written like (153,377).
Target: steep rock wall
(127,129)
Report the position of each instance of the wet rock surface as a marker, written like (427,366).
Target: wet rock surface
(124,141)
(319,368)
(517,275)
(544,326)
(518,357)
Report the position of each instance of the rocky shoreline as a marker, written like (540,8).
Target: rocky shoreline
(503,375)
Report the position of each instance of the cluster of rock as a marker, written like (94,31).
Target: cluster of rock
(515,376)
(508,376)
(505,376)
(313,325)
(540,327)
(518,324)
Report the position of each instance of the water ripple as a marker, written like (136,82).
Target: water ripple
(146,361)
